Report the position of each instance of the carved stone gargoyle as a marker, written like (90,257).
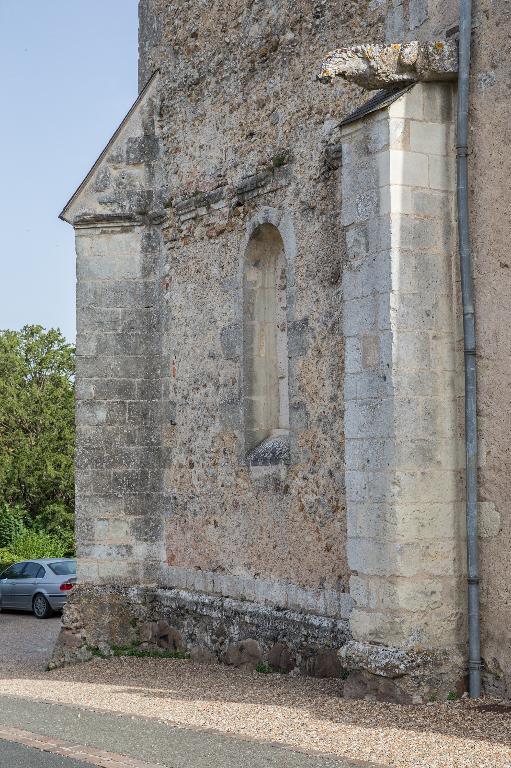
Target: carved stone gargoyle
(384,66)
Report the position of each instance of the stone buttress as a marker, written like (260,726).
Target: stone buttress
(403,395)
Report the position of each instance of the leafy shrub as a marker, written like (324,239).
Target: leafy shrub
(6,559)
(51,534)
(32,545)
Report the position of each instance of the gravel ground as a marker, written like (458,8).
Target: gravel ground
(302,713)
(26,642)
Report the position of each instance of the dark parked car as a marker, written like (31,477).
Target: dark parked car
(41,586)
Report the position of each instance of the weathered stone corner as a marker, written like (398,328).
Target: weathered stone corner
(384,673)
(383,66)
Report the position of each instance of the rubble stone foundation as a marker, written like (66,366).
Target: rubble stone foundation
(100,619)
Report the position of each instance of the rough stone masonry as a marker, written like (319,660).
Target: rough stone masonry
(269,379)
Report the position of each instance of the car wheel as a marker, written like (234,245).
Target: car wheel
(41,607)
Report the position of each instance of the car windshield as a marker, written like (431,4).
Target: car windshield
(64,568)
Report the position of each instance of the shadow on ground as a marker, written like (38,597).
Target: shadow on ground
(267,707)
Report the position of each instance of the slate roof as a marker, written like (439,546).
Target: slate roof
(380,100)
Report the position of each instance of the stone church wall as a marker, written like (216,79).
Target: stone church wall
(247,136)
(180,521)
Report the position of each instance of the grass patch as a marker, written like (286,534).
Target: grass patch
(263,668)
(280,158)
(132,650)
(95,651)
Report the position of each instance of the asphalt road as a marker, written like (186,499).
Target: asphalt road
(17,756)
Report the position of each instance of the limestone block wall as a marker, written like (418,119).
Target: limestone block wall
(118,458)
(403,386)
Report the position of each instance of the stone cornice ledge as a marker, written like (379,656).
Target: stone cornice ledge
(91,220)
(383,66)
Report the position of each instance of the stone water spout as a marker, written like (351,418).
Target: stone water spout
(384,66)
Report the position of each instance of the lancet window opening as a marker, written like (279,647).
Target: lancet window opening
(265,380)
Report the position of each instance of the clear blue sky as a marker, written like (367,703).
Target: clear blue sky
(68,73)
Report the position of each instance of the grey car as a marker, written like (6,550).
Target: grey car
(40,586)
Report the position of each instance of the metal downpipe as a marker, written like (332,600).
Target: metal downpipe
(467,289)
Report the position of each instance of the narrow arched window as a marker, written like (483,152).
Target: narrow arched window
(265,361)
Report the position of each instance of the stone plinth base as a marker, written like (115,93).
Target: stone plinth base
(380,673)
(101,619)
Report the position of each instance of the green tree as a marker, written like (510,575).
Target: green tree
(37,427)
